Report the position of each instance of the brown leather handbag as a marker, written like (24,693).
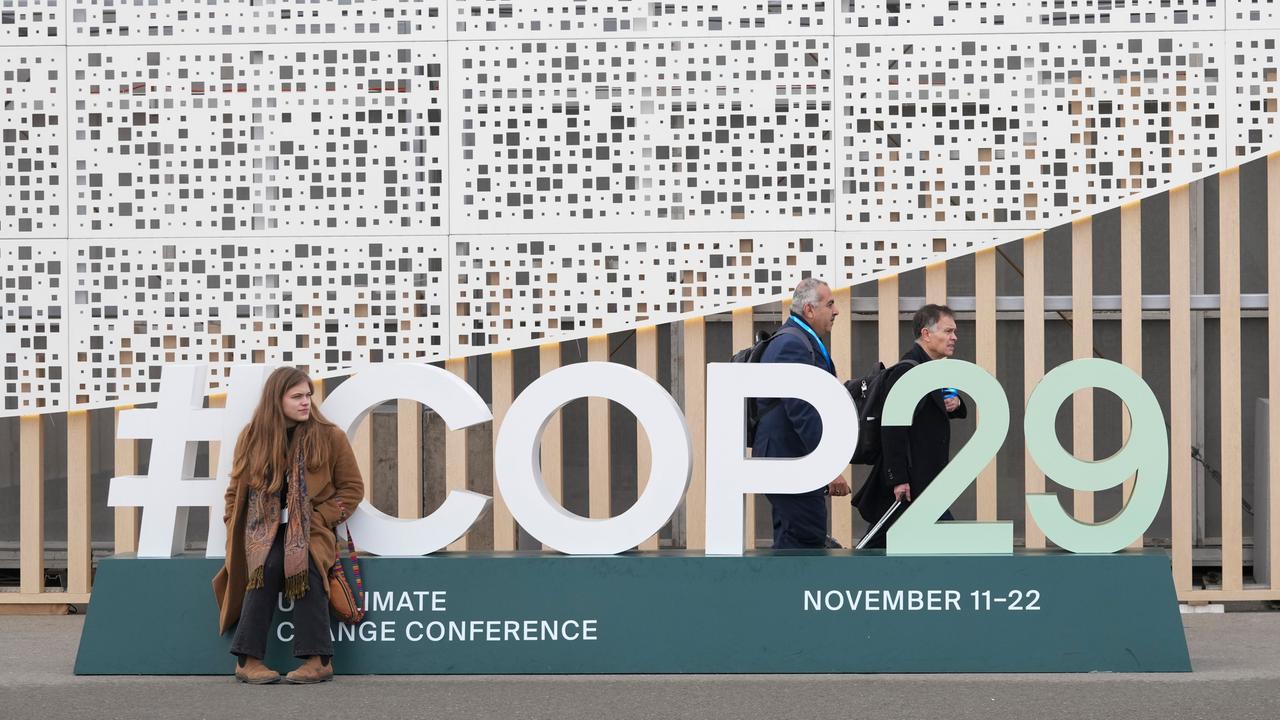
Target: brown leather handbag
(346,605)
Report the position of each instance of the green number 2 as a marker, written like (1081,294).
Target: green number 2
(1146,453)
(918,531)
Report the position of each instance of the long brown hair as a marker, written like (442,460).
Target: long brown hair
(263,451)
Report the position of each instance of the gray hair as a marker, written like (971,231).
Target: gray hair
(806,293)
(928,317)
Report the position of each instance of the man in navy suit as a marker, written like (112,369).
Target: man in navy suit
(790,428)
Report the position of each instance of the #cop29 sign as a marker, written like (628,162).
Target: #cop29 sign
(947,596)
(731,474)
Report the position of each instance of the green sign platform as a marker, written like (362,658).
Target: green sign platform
(767,612)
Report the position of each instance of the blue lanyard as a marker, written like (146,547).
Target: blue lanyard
(805,326)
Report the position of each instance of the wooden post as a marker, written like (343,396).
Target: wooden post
(31,504)
(1082,347)
(887,320)
(552,437)
(408,459)
(1131,310)
(1229,348)
(842,356)
(1199,364)
(984,279)
(744,337)
(79,497)
(935,283)
(695,412)
(1180,377)
(503,372)
(455,453)
(598,474)
(363,447)
(1032,363)
(126,518)
(647,363)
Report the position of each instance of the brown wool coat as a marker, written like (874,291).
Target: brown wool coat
(336,480)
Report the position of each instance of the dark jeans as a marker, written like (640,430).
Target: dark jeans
(310,612)
(878,542)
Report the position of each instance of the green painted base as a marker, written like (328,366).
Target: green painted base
(783,612)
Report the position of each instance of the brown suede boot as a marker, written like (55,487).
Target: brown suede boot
(316,669)
(252,670)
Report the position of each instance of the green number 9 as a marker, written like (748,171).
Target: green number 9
(917,531)
(1146,453)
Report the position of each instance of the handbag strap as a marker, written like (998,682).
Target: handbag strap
(351,551)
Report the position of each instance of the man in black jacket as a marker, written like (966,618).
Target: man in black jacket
(912,456)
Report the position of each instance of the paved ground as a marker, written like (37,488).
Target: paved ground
(1236,658)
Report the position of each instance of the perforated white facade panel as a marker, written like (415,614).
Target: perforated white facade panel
(259,139)
(1020,131)
(513,290)
(650,135)
(335,183)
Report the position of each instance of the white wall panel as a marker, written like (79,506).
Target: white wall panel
(33,117)
(174,152)
(860,256)
(642,135)
(33,343)
(31,22)
(325,303)
(240,140)
(514,290)
(1250,14)
(634,19)
(155,22)
(1252,84)
(1020,131)
(875,17)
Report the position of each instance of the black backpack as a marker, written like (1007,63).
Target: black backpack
(869,393)
(757,409)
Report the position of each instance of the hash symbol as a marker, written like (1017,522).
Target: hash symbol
(168,490)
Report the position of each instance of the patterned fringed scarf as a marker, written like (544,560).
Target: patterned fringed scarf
(264,521)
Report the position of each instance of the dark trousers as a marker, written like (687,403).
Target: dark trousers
(799,521)
(878,542)
(310,612)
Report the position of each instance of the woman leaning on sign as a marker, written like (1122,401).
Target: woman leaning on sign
(294,478)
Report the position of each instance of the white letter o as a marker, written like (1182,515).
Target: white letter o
(518,467)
